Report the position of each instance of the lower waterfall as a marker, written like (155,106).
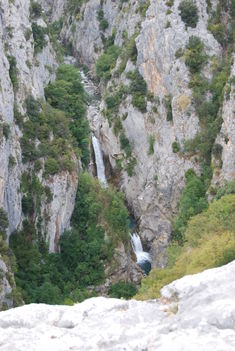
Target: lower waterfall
(99,161)
(142,257)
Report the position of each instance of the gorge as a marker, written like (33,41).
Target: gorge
(141,94)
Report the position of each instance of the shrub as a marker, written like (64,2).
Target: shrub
(143,8)
(3,222)
(152,140)
(168,106)
(138,84)
(217,151)
(103,22)
(228,188)
(51,166)
(191,202)
(39,37)
(125,144)
(175,147)
(129,51)
(122,290)
(189,13)
(195,57)
(107,62)
(139,101)
(33,107)
(13,71)
(6,130)
(130,166)
(35,9)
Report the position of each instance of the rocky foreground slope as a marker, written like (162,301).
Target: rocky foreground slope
(196,312)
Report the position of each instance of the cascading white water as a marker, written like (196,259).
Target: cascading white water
(142,257)
(137,247)
(99,161)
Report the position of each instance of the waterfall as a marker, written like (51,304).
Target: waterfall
(142,257)
(99,161)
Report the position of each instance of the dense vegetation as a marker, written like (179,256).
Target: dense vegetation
(107,62)
(7,256)
(189,13)
(67,94)
(209,242)
(64,277)
(122,290)
(60,125)
(192,202)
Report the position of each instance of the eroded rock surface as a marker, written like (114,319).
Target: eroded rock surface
(194,313)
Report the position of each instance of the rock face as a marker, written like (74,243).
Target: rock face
(154,189)
(34,71)
(5,287)
(226,137)
(194,313)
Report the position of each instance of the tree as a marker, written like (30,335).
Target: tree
(189,13)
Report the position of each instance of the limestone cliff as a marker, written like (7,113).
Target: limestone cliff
(154,189)
(194,313)
(34,71)
(24,72)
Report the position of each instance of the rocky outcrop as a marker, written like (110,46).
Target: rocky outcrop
(34,71)
(154,189)
(194,313)
(6,277)
(83,30)
(63,188)
(225,167)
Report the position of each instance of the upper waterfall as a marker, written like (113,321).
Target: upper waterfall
(99,161)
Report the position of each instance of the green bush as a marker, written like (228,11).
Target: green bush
(39,37)
(129,51)
(138,84)
(130,166)
(217,151)
(139,101)
(33,107)
(107,62)
(13,71)
(143,8)
(195,57)
(168,106)
(152,140)
(175,147)
(125,144)
(103,22)
(228,188)
(51,166)
(122,290)
(192,202)
(3,222)
(35,9)
(6,130)
(189,13)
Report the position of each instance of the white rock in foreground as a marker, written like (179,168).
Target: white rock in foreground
(205,320)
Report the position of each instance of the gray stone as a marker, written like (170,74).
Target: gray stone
(194,313)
